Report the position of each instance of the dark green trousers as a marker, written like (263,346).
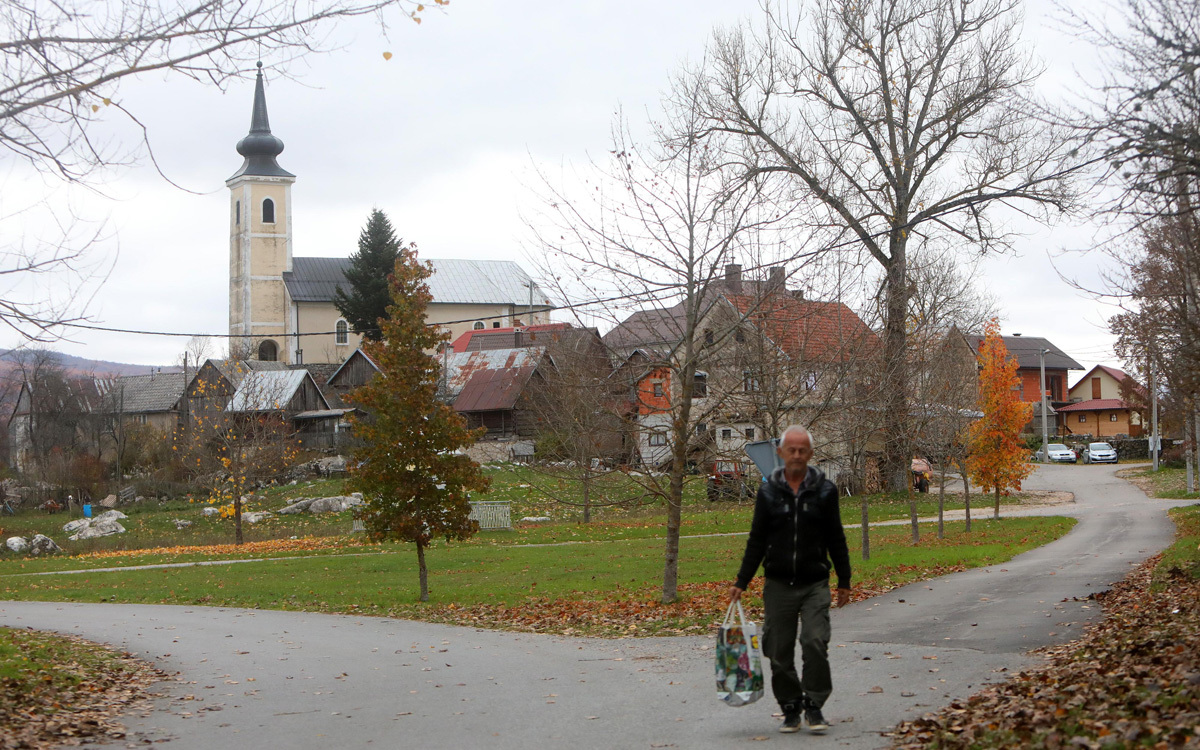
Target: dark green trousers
(791,611)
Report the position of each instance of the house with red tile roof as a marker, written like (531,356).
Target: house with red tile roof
(1105,402)
(768,358)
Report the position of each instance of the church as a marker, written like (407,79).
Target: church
(281,307)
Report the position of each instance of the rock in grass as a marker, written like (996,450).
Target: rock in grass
(98,529)
(256,516)
(17,544)
(43,545)
(210,511)
(79,523)
(182,524)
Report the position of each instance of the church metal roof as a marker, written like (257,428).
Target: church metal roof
(464,282)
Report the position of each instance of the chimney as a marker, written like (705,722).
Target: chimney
(777,280)
(733,278)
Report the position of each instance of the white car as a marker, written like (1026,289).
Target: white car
(1057,453)
(1099,453)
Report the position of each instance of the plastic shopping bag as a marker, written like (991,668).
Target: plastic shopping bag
(739,659)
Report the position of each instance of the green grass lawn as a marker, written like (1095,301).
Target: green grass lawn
(481,577)
(1182,557)
(1165,483)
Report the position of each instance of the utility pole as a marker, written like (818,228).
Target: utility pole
(1042,365)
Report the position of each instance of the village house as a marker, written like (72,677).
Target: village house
(1030,353)
(1103,405)
(282,306)
(768,358)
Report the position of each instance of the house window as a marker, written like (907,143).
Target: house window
(341,332)
(1056,388)
(739,336)
(268,351)
(701,428)
(750,383)
(478,326)
(268,212)
(810,381)
(658,389)
(1112,417)
(658,438)
(700,385)
(495,324)
(1082,419)
(726,434)
(708,337)
(749,433)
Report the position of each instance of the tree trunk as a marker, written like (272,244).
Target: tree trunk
(996,509)
(967,497)
(912,512)
(423,572)
(670,590)
(237,515)
(866,531)
(587,495)
(942,501)
(1189,453)
(896,454)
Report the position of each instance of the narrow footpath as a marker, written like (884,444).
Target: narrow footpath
(267,679)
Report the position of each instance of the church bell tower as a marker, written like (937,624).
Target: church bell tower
(260,241)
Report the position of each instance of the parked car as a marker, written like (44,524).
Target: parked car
(1057,453)
(1099,453)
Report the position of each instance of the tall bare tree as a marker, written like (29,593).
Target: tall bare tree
(655,228)
(896,119)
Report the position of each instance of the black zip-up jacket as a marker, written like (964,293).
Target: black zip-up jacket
(795,536)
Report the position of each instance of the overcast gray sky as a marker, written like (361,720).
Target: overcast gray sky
(443,138)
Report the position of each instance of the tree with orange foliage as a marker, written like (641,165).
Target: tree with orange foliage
(998,459)
(414,477)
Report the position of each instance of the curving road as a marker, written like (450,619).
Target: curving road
(264,679)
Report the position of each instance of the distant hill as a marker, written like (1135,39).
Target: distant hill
(79,366)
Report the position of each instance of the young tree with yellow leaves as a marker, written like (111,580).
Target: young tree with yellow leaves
(998,458)
(414,479)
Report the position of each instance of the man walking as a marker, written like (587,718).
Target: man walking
(797,528)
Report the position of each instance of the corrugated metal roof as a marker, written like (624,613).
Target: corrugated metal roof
(266,391)
(142,394)
(468,282)
(490,380)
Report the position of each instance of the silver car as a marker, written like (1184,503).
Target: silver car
(1057,453)
(1099,453)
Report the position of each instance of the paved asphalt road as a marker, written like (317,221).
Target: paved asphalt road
(261,679)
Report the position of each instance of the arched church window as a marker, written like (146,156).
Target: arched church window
(342,332)
(478,325)
(268,351)
(268,214)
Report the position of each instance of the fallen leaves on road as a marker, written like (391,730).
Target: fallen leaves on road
(1132,680)
(58,690)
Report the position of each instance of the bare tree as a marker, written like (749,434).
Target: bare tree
(1144,111)
(655,228)
(897,119)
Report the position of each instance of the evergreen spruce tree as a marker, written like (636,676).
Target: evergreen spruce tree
(365,301)
(414,480)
